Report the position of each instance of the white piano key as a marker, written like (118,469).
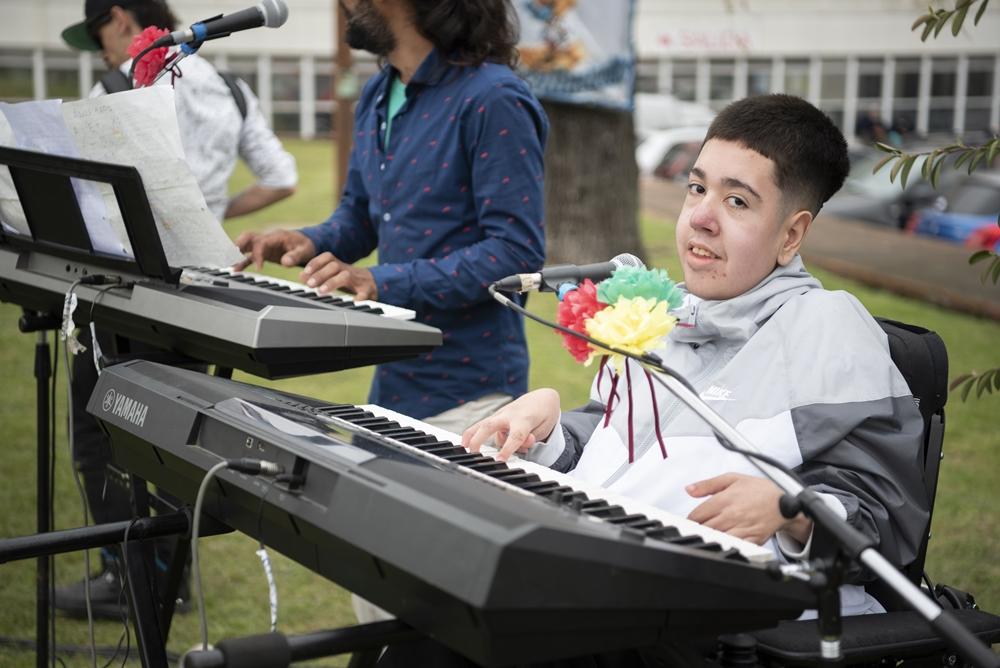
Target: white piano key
(752,551)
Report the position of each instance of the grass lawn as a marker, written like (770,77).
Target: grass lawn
(966,525)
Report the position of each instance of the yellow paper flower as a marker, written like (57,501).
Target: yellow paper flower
(635,325)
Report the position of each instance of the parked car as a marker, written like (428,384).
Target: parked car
(967,212)
(875,199)
(670,153)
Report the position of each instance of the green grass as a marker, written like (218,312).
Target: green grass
(966,521)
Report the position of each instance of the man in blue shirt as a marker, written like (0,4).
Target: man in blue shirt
(445,181)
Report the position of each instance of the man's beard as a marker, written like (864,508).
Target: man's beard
(368,30)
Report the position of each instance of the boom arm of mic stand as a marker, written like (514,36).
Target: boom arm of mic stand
(855,544)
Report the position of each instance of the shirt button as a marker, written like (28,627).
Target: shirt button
(387,217)
(382,126)
(382,167)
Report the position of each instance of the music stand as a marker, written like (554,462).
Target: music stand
(45,190)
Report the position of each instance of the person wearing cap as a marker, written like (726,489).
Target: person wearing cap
(214,131)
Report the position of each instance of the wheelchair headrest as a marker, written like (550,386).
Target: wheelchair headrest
(921,357)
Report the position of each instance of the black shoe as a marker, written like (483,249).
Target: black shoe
(107,598)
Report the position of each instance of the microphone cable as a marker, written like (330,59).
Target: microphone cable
(244,465)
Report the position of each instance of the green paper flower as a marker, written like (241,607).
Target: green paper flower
(632,282)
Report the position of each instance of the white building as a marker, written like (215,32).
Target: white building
(850,57)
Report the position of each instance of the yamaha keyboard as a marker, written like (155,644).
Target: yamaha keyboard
(501,563)
(267,327)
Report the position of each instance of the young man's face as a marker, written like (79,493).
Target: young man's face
(734,228)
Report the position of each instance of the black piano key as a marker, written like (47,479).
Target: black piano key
(422,441)
(330,299)
(542,487)
(664,533)
(488,466)
(401,432)
(243,279)
(647,525)
(516,477)
(464,457)
(607,512)
(630,520)
(299,291)
(445,449)
(372,423)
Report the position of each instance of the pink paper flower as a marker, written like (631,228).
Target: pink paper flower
(576,308)
(151,63)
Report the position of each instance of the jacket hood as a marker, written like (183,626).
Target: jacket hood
(738,318)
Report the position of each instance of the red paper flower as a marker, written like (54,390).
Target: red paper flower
(151,63)
(576,308)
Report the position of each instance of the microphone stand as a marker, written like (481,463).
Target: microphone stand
(852,544)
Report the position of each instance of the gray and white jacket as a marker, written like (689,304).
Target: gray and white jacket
(805,374)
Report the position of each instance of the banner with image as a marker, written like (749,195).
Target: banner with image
(578,51)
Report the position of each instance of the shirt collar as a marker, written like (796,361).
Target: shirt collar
(431,70)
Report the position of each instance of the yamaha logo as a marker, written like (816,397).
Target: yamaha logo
(125,407)
(109,400)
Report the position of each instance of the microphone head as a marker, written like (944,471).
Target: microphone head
(627,260)
(275,13)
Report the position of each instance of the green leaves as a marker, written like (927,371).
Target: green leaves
(935,20)
(992,271)
(986,382)
(973,157)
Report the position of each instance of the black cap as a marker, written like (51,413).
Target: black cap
(78,34)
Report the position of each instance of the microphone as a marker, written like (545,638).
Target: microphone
(554,279)
(269,13)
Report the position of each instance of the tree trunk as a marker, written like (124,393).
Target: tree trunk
(591,185)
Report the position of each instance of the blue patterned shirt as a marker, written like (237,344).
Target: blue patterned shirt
(452,204)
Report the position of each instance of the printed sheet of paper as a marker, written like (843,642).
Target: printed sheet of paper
(139,128)
(38,126)
(11,213)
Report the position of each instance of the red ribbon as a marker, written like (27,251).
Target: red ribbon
(631,441)
(611,399)
(656,415)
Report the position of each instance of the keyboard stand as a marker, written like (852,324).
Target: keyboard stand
(364,642)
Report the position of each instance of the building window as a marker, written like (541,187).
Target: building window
(647,76)
(832,89)
(684,82)
(758,77)
(905,89)
(285,94)
(324,96)
(722,81)
(943,81)
(797,77)
(15,76)
(979,93)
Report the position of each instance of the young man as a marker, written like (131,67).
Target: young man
(803,372)
(445,182)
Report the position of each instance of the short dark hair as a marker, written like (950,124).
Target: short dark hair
(808,151)
(470,32)
(154,13)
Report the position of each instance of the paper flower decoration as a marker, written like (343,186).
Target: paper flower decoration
(151,63)
(628,311)
(634,325)
(576,308)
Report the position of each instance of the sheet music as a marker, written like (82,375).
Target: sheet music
(11,214)
(38,126)
(139,128)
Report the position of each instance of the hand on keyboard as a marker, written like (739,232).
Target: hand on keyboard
(326,273)
(518,425)
(289,247)
(744,506)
